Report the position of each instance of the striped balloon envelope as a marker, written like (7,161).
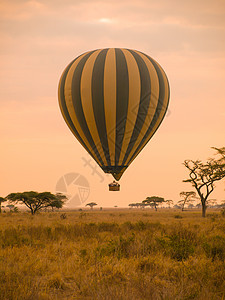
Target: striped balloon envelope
(113,101)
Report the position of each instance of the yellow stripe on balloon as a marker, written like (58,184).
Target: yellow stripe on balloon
(70,106)
(86,100)
(133,102)
(110,101)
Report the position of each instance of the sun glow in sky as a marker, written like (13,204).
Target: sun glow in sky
(38,40)
(105,20)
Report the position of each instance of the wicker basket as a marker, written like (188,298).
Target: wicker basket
(114,186)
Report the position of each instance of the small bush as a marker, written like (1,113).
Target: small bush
(223,211)
(104,226)
(179,243)
(128,225)
(120,247)
(83,253)
(56,282)
(140,225)
(63,216)
(215,248)
(178,217)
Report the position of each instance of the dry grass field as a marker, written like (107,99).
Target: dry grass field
(112,254)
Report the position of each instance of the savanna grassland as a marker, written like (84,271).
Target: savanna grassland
(117,254)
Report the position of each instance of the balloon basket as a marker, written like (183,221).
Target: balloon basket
(114,186)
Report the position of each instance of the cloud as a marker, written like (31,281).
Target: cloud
(166,26)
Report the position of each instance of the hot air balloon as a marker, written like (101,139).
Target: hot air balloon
(113,101)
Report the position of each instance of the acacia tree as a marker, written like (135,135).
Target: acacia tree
(58,202)
(203,176)
(220,151)
(91,204)
(188,197)
(132,205)
(137,205)
(153,201)
(1,200)
(36,201)
(169,202)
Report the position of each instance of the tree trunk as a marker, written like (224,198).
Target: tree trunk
(203,209)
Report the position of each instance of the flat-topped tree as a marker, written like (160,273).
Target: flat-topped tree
(1,201)
(132,204)
(141,205)
(58,202)
(36,201)
(154,201)
(91,204)
(169,202)
(203,176)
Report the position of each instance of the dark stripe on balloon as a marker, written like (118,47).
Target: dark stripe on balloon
(76,99)
(98,101)
(64,107)
(122,98)
(144,102)
(159,107)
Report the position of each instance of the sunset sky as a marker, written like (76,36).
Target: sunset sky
(39,38)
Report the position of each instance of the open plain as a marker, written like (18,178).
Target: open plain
(112,254)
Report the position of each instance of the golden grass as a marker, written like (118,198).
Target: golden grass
(117,254)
